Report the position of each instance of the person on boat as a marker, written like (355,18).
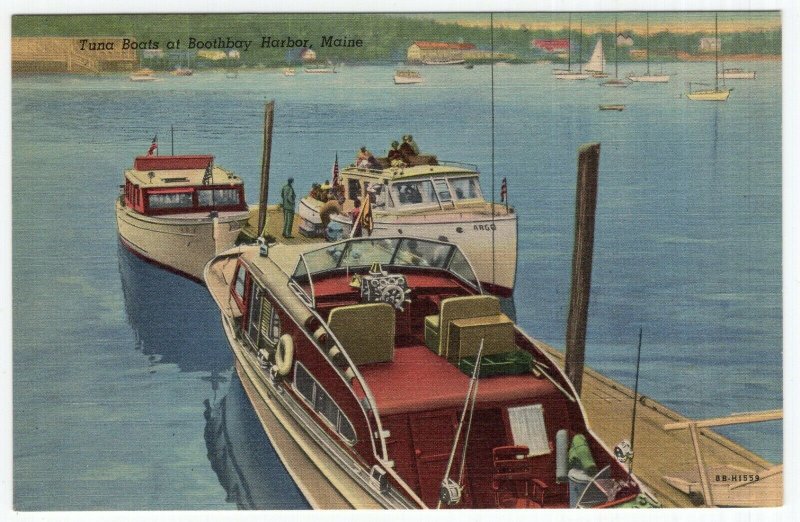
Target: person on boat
(316,192)
(394,156)
(365,159)
(325,191)
(356,211)
(409,146)
(287,203)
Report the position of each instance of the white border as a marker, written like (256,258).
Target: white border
(791,260)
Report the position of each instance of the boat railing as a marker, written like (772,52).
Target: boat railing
(462,164)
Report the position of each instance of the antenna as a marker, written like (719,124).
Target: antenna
(716,52)
(172,139)
(635,399)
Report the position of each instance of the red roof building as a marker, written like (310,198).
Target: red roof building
(560,45)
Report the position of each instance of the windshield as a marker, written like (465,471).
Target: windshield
(466,188)
(414,193)
(398,252)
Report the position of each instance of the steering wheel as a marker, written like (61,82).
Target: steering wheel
(394,295)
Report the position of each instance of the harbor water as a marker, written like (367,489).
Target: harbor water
(124,392)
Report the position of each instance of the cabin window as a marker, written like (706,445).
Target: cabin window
(217,197)
(172,200)
(466,188)
(442,190)
(253,322)
(238,287)
(353,189)
(528,428)
(381,195)
(270,325)
(414,193)
(322,403)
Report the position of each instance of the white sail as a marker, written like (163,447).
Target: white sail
(597,62)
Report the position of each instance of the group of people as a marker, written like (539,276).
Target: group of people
(398,156)
(325,191)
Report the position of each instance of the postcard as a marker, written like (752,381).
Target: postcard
(271,261)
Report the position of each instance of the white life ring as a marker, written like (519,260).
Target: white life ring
(284,354)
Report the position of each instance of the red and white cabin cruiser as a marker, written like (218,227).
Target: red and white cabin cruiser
(180,211)
(358,357)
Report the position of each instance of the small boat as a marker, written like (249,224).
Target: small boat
(715,94)
(143,75)
(736,74)
(407,77)
(443,62)
(425,198)
(469,66)
(612,107)
(180,211)
(231,75)
(647,77)
(597,62)
(385,378)
(182,71)
(289,71)
(319,69)
(615,82)
(569,74)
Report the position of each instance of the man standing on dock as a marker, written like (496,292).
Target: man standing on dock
(287,202)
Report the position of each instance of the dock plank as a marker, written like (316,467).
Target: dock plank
(658,452)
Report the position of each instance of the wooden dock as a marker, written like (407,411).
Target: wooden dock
(658,452)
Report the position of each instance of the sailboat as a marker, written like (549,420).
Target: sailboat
(715,94)
(616,82)
(647,77)
(597,62)
(569,74)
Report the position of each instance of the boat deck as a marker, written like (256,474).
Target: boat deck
(658,452)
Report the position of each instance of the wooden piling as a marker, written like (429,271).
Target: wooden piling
(269,109)
(585,205)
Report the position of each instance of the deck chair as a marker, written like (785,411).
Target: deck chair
(366,331)
(464,307)
(512,482)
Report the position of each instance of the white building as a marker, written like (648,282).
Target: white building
(709,45)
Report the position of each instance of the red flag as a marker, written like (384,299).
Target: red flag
(504,190)
(335,174)
(153,146)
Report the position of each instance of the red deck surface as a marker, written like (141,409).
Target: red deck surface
(420,380)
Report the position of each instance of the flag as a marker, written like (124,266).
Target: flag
(365,216)
(504,191)
(335,173)
(153,146)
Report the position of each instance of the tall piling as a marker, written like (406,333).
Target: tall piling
(585,206)
(263,195)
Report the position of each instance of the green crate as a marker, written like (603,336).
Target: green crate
(509,363)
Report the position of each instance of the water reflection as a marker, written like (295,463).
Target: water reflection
(241,456)
(175,321)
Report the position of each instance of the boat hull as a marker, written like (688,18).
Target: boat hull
(743,75)
(710,95)
(472,232)
(650,78)
(180,243)
(400,80)
(572,76)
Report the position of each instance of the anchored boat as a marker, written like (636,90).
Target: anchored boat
(180,211)
(433,199)
(407,76)
(715,94)
(385,378)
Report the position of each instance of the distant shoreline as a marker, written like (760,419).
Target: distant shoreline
(709,57)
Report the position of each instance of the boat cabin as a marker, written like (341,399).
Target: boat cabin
(160,185)
(385,335)
(414,188)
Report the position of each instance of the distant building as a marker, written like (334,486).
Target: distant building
(624,40)
(551,46)
(425,51)
(212,55)
(308,55)
(709,45)
(234,54)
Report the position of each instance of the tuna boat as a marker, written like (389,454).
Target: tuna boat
(433,199)
(180,211)
(385,378)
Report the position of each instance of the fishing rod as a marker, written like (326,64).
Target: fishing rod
(635,401)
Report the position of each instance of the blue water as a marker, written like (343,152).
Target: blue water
(117,364)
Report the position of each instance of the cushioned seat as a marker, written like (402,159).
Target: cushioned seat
(366,331)
(465,307)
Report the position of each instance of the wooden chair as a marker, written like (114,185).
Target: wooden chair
(513,482)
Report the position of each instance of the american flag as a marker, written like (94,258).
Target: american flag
(153,146)
(335,174)
(504,191)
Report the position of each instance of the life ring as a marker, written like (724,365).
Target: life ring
(284,354)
